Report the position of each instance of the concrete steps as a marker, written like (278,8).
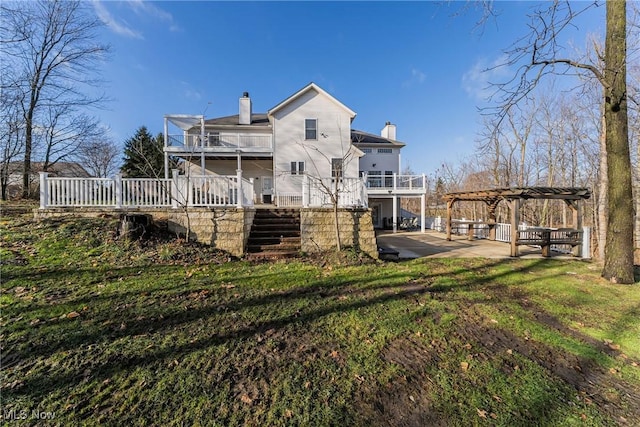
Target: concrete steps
(275,233)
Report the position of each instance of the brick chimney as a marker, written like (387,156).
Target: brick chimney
(389,131)
(245,109)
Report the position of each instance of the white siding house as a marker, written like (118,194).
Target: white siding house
(302,152)
(306,138)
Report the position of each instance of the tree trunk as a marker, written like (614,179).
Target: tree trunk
(26,166)
(336,215)
(602,193)
(618,264)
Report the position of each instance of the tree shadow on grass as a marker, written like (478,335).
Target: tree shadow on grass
(304,305)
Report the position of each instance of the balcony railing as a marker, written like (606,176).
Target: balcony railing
(396,183)
(222,142)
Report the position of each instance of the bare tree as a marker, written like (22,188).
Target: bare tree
(331,187)
(52,50)
(64,133)
(11,133)
(541,54)
(99,157)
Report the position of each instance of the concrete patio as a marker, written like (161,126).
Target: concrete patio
(434,244)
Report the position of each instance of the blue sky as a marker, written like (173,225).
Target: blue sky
(416,64)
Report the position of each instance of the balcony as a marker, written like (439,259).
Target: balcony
(226,143)
(379,185)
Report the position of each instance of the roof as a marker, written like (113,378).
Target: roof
(307,88)
(360,137)
(257,119)
(492,195)
(60,169)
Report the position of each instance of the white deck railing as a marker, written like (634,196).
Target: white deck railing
(118,192)
(220,141)
(396,183)
(351,192)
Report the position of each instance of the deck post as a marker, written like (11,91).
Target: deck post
(175,192)
(240,195)
(514,205)
(422,212)
(305,191)
(395,211)
(117,183)
(44,190)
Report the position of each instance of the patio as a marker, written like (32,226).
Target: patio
(434,244)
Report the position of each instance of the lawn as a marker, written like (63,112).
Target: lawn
(98,330)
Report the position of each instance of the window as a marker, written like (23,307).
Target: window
(310,128)
(336,168)
(367,150)
(385,150)
(297,168)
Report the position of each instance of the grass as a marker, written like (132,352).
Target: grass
(97,330)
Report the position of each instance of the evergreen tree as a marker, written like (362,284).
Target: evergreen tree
(143,155)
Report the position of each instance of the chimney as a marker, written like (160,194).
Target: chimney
(245,109)
(389,131)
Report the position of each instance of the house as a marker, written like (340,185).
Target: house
(298,153)
(14,171)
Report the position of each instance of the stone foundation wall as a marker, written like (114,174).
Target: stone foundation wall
(356,230)
(224,228)
(228,228)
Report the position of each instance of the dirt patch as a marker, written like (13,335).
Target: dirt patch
(405,401)
(613,395)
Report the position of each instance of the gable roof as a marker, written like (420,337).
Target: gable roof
(257,119)
(360,137)
(312,86)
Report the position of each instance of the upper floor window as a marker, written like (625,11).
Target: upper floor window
(385,150)
(297,168)
(310,128)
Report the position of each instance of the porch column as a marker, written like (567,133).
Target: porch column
(166,144)
(240,196)
(422,213)
(239,178)
(514,205)
(44,190)
(395,211)
(202,158)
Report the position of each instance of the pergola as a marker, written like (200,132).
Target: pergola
(514,196)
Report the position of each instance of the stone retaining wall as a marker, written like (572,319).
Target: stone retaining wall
(317,227)
(228,228)
(224,228)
